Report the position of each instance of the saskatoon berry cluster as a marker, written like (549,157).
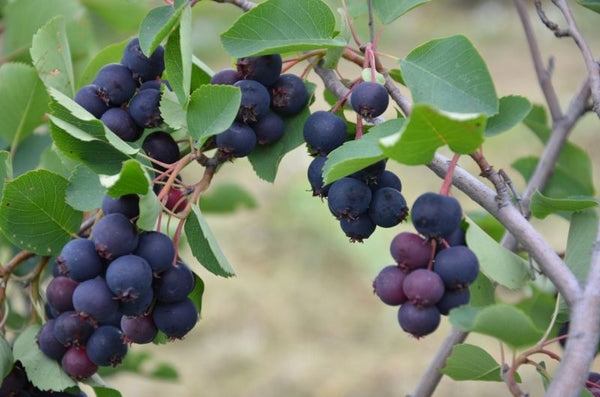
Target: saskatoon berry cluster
(367,198)
(118,288)
(432,273)
(267,96)
(17,384)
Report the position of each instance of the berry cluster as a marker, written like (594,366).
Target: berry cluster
(118,288)
(267,96)
(432,273)
(17,384)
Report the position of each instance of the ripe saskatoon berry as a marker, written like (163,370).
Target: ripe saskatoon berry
(128,205)
(162,147)
(106,347)
(90,98)
(138,306)
(348,198)
(315,176)
(128,277)
(423,287)
(174,200)
(174,284)
(157,249)
(288,95)
(92,299)
(60,293)
(79,261)
(116,83)
(452,299)
(388,207)
(410,250)
(48,343)
(457,237)
(358,229)
(143,67)
(388,285)
(265,69)
(77,364)
(114,235)
(418,321)
(457,266)
(114,320)
(369,99)
(175,319)
(386,179)
(255,101)
(122,124)
(50,312)
(226,77)
(14,382)
(269,129)
(138,329)
(71,330)
(594,377)
(324,131)
(144,108)
(237,141)
(370,173)
(435,215)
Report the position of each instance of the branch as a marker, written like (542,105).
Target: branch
(243,4)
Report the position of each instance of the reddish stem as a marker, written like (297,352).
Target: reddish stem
(350,24)
(445,243)
(432,255)
(553,340)
(359,127)
(345,98)
(376,41)
(370,58)
(448,179)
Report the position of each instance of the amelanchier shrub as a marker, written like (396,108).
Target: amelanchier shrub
(85,221)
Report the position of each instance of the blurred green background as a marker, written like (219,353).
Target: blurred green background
(300,318)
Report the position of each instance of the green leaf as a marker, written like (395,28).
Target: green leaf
(204,246)
(539,306)
(6,357)
(157,25)
(42,371)
(333,57)
(450,74)
(173,114)
(355,155)
(390,10)
(5,169)
(23,102)
(278,26)
(513,109)
(102,391)
(482,292)
(495,320)
(226,198)
(593,5)
(470,362)
(53,162)
(123,16)
(178,57)
(34,215)
(196,294)
(211,111)
(488,223)
(29,153)
(52,57)
(201,73)
(149,210)
(542,206)
(131,180)
(427,129)
(580,243)
(496,262)
(109,54)
(265,159)
(164,371)
(396,74)
(85,192)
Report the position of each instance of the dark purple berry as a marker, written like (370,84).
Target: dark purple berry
(410,251)
(174,284)
(324,131)
(369,99)
(114,235)
(157,249)
(315,176)
(162,147)
(358,229)
(114,320)
(255,101)
(122,124)
(268,129)
(226,77)
(288,95)
(71,330)
(457,237)
(116,83)
(14,382)
(436,215)
(139,329)
(90,98)
(144,108)
(457,266)
(143,67)
(418,321)
(237,141)
(388,285)
(386,179)
(77,364)
(128,277)
(50,312)
(48,343)
(60,293)
(128,205)
(79,261)
(423,287)
(370,173)
(348,198)
(265,68)
(453,299)
(106,346)
(388,207)
(175,319)
(94,301)
(137,306)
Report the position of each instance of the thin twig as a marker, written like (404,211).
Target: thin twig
(371,24)
(558,32)
(243,4)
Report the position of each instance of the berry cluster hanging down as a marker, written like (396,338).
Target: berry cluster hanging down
(17,384)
